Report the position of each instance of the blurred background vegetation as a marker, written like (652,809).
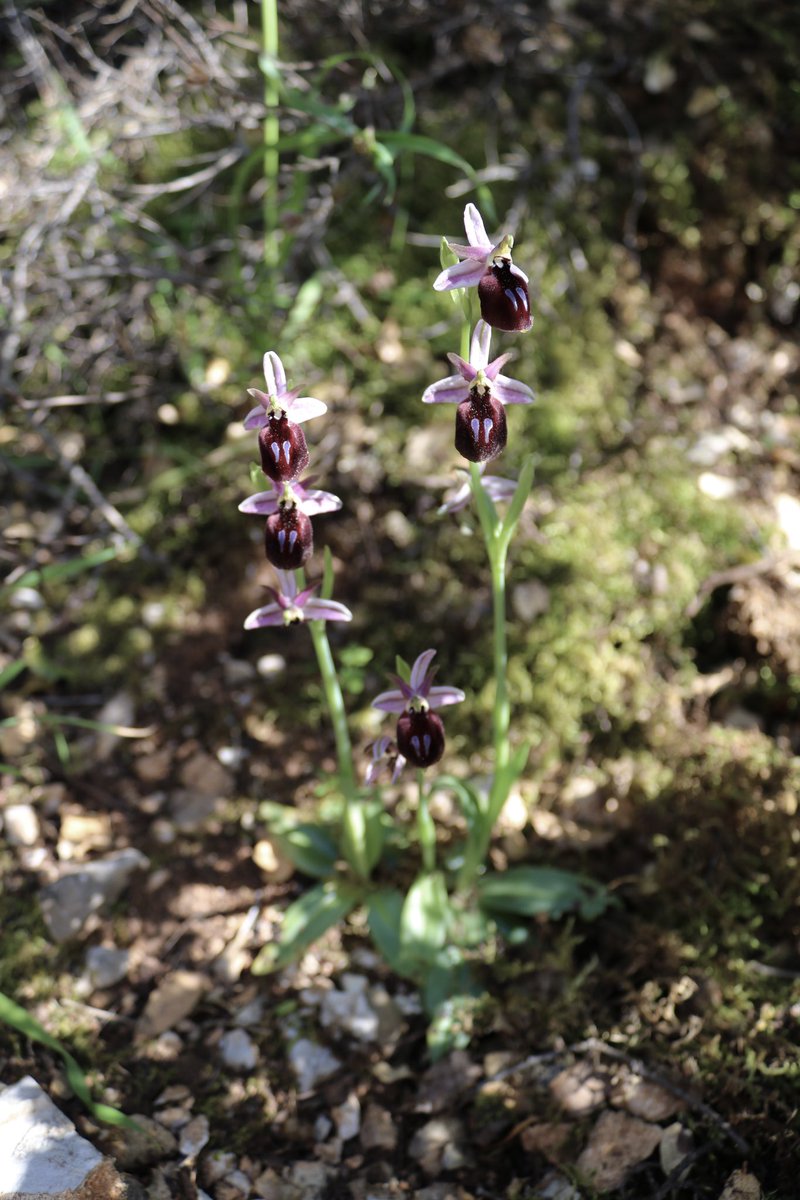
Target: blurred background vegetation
(646,156)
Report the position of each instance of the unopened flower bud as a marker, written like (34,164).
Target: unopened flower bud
(420,737)
(284,453)
(288,538)
(503,293)
(481,427)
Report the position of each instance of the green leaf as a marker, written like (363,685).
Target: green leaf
(306,920)
(417,143)
(487,512)
(55,572)
(279,817)
(29,1027)
(530,891)
(311,848)
(425,918)
(523,490)
(362,835)
(469,798)
(10,673)
(506,778)
(384,914)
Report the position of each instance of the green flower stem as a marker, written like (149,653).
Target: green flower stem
(335,700)
(331,685)
(425,826)
(271,129)
(501,717)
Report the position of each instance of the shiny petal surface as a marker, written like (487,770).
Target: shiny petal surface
(511,391)
(451,390)
(462,274)
(303,408)
(476,252)
(474,227)
(262,504)
(288,583)
(480,345)
(315,502)
(440,697)
(255,419)
(270,614)
(467,370)
(493,369)
(274,374)
(420,670)
(326,610)
(391,702)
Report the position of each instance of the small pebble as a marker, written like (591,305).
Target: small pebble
(21,825)
(238,1050)
(194,1136)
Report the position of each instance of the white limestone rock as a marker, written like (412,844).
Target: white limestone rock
(42,1155)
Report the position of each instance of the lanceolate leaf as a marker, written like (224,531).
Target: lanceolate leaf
(362,835)
(384,913)
(305,921)
(424,921)
(531,891)
(311,849)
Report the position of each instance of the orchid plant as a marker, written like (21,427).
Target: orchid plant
(454,904)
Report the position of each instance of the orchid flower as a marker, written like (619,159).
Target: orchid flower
(309,500)
(420,732)
(498,489)
(278,399)
(480,392)
(502,287)
(384,754)
(281,441)
(478,373)
(290,606)
(288,507)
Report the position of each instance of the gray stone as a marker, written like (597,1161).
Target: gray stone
(347,1116)
(43,1157)
(311,1178)
(69,902)
(106,966)
(190,811)
(194,1136)
(311,1063)
(378,1131)
(238,1050)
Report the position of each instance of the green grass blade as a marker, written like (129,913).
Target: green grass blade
(29,1027)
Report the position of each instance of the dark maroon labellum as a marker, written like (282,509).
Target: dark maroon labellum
(288,538)
(481,429)
(420,738)
(503,294)
(284,453)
